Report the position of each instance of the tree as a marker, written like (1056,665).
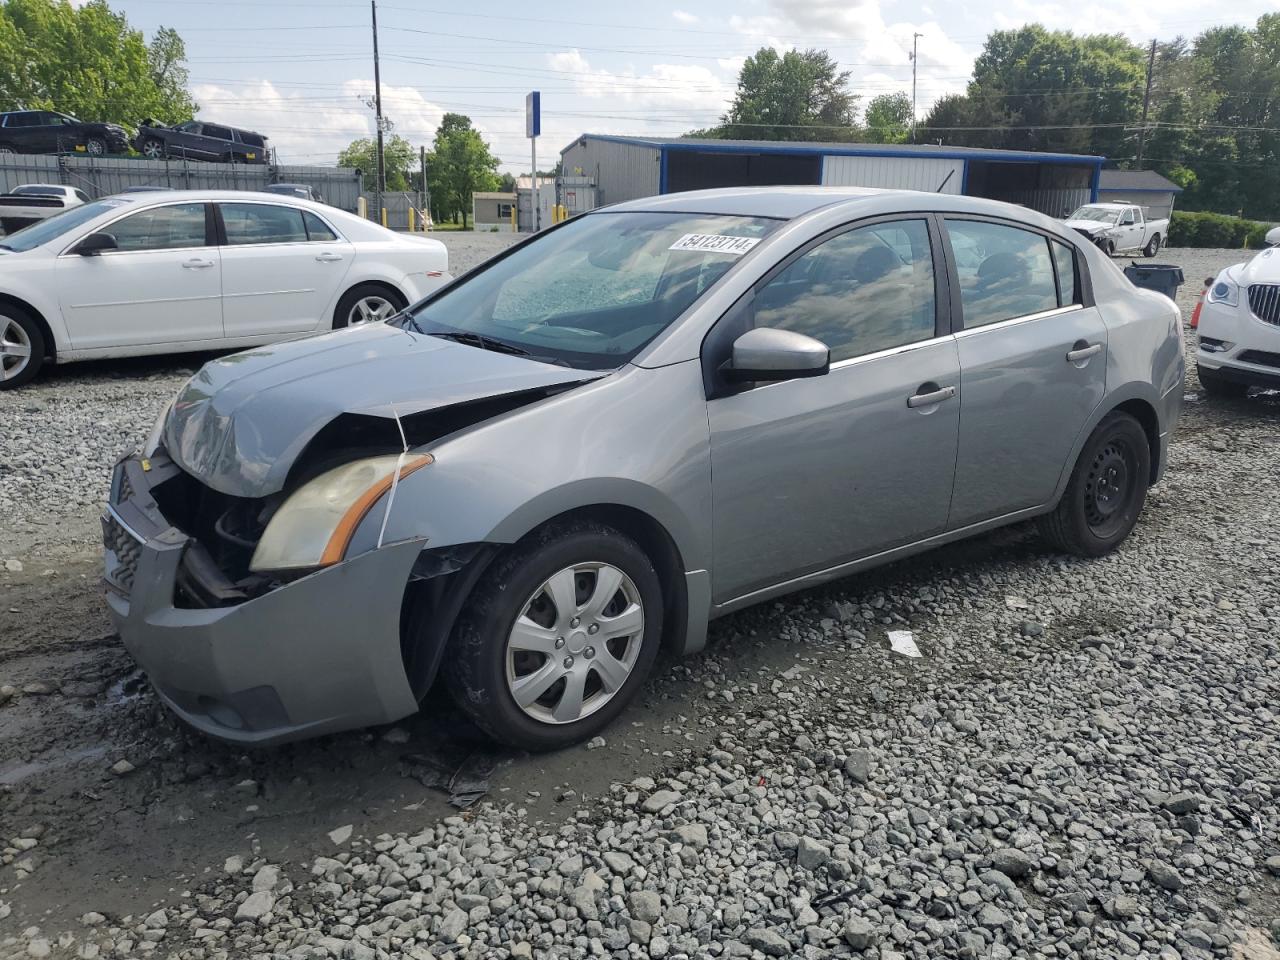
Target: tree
(889,118)
(89,62)
(795,96)
(399,158)
(461,164)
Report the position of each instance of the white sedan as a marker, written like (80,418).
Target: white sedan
(197,270)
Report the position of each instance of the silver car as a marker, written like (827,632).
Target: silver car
(635,422)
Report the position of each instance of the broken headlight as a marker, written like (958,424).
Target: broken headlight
(316,524)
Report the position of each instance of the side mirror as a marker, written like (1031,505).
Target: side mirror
(768,354)
(95,243)
(1273,237)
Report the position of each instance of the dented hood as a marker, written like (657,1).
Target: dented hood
(242,421)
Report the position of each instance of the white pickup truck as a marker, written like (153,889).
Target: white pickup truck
(1119,228)
(24,205)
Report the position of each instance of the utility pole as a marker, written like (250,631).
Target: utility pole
(1146,106)
(377,100)
(426,191)
(915,57)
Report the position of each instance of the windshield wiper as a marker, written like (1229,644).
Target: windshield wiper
(483,342)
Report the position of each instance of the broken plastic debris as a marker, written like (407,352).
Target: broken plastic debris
(904,642)
(1191,397)
(1016,603)
(464,777)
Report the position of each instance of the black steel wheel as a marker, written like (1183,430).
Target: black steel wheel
(1106,492)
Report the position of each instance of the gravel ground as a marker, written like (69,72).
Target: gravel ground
(1081,764)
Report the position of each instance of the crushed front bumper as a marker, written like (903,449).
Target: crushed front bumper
(314,656)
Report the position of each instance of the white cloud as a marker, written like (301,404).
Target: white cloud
(682,17)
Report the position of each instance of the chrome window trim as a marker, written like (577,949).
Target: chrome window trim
(1013,321)
(890,351)
(341,238)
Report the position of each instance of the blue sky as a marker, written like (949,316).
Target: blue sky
(297,70)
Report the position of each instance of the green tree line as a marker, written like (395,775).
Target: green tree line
(1213,122)
(87,61)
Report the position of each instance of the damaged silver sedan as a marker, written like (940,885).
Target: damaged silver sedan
(633,423)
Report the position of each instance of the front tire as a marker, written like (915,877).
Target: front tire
(367,303)
(558,636)
(1109,247)
(1107,490)
(1217,385)
(22,347)
(1152,247)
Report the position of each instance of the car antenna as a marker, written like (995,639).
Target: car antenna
(945,180)
(395,477)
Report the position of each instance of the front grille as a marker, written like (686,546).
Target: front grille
(1260,357)
(125,492)
(125,548)
(1264,301)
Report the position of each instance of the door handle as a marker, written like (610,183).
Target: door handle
(1081,353)
(196,264)
(930,398)
(328,257)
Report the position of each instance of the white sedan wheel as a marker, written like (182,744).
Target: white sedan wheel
(15,348)
(370,309)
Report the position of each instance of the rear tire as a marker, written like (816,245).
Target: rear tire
(366,303)
(153,149)
(1107,490)
(22,347)
(95,147)
(601,641)
(1217,385)
(1152,247)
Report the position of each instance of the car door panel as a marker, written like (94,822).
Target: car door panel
(1029,383)
(133,297)
(273,287)
(811,473)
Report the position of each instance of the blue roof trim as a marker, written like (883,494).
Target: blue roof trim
(1140,189)
(849,150)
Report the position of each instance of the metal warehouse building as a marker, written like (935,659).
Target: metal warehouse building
(1145,188)
(624,168)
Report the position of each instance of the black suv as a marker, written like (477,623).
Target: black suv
(44,131)
(197,140)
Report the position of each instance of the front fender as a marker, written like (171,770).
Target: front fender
(637,438)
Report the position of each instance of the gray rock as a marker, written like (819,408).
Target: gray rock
(659,800)
(619,862)
(1273,864)
(811,854)
(1182,803)
(452,925)
(767,941)
(256,906)
(858,766)
(645,905)
(1011,862)
(693,835)
(859,934)
(1165,875)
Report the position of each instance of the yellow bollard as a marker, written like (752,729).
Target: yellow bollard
(384,216)
(412,226)
(362,208)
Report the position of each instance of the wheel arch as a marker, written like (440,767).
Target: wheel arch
(1140,401)
(349,286)
(50,345)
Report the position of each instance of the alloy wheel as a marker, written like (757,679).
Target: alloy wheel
(152,150)
(369,310)
(575,643)
(95,148)
(15,348)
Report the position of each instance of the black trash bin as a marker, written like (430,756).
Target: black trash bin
(1161,277)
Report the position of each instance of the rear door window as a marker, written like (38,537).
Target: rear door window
(1064,259)
(1004,272)
(218,133)
(255,223)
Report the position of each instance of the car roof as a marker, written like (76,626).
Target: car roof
(789,203)
(160,197)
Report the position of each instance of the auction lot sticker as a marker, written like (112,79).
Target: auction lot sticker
(715,243)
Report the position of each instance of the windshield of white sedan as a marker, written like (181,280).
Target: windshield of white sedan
(592,293)
(28,238)
(1101,214)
